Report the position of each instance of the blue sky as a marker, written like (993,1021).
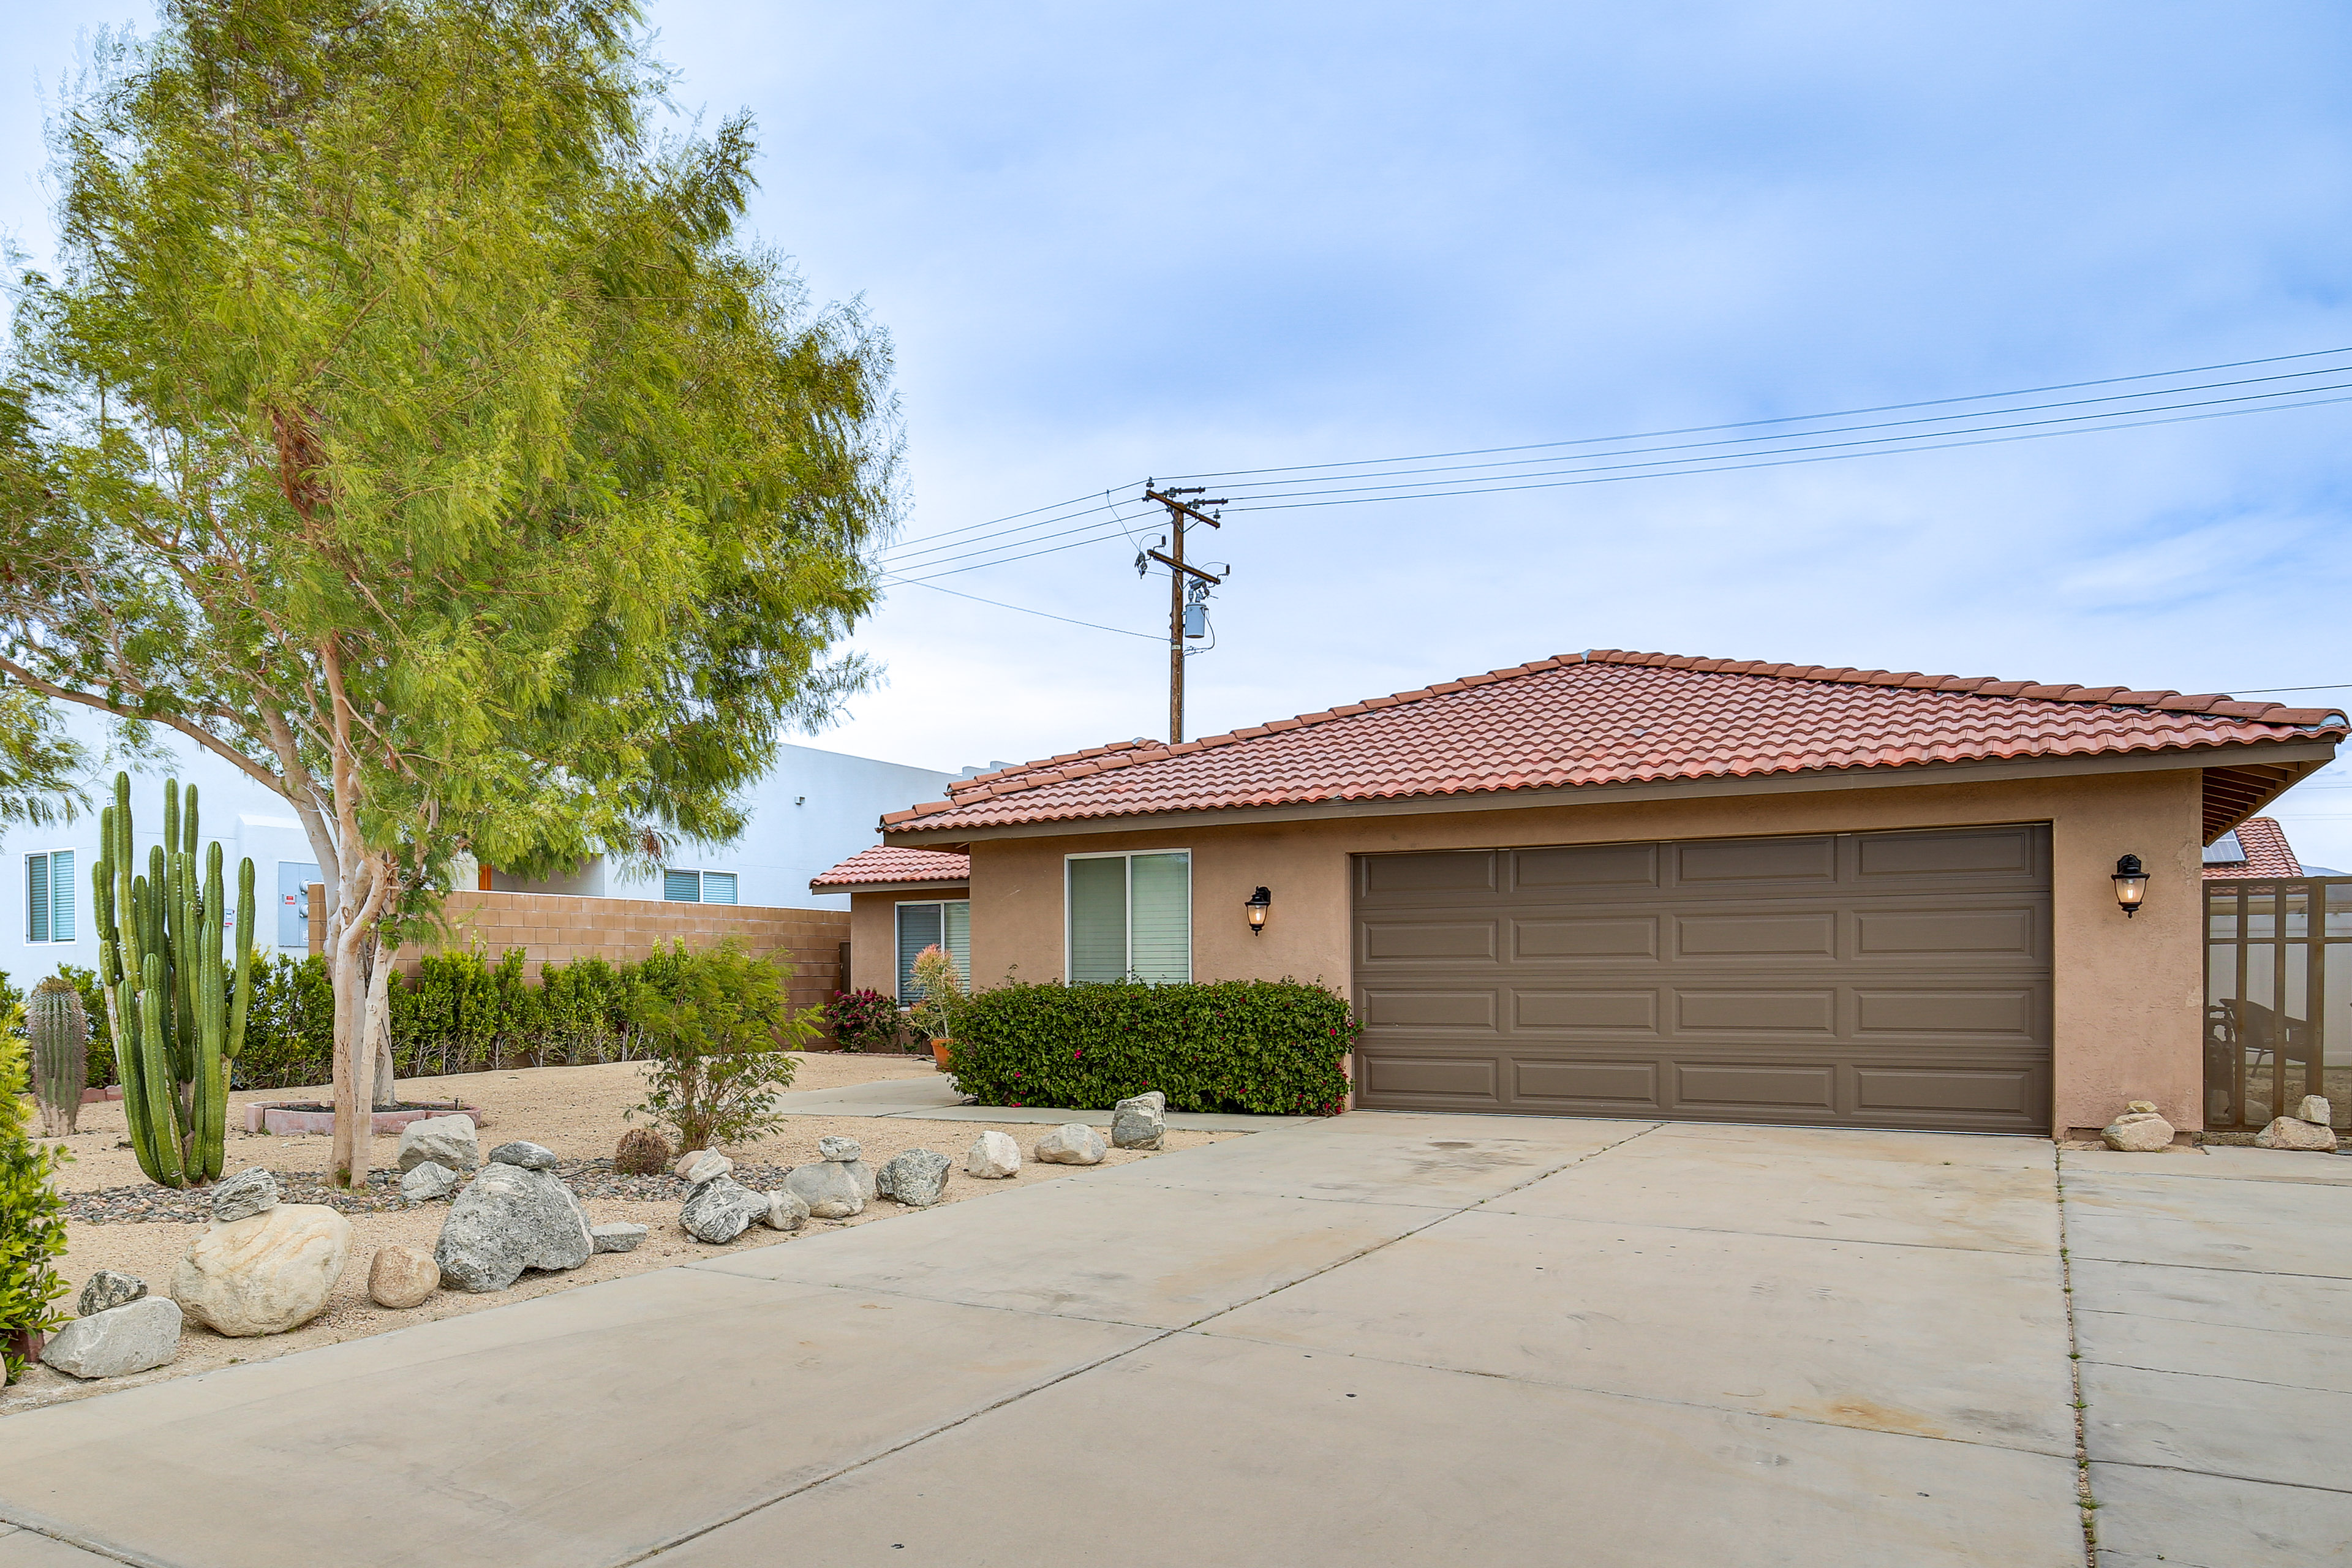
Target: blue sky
(1120,241)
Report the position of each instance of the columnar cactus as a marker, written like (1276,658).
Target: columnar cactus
(176,1007)
(59,1032)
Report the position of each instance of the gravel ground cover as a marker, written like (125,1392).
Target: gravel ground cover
(116,1220)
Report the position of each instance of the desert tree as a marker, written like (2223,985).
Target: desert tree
(408,423)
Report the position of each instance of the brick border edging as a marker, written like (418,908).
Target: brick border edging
(279,1122)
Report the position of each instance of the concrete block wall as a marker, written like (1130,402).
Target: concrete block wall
(559,927)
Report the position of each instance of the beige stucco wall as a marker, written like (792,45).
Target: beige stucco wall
(873,934)
(2128,995)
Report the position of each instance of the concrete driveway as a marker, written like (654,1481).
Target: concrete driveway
(1382,1338)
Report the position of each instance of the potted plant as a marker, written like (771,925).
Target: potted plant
(935,1014)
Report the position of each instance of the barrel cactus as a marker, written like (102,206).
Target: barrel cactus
(642,1151)
(59,1032)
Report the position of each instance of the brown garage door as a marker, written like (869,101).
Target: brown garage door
(1868,979)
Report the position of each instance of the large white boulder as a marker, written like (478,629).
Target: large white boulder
(829,1188)
(993,1156)
(1072,1143)
(508,1219)
(137,1336)
(265,1274)
(2294,1132)
(447,1140)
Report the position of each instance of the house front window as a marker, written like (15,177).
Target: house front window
(50,895)
(1129,916)
(699,887)
(943,923)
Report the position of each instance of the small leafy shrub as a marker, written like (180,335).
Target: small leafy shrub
(862,1021)
(718,1032)
(935,1015)
(642,1151)
(290,1035)
(32,1213)
(1268,1047)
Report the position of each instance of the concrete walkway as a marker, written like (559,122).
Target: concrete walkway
(1383,1339)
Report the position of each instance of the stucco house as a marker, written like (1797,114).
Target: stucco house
(1641,884)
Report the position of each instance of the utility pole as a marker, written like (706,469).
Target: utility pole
(1179,513)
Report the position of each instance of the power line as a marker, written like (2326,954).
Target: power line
(976,527)
(1783,419)
(2266,690)
(1025,610)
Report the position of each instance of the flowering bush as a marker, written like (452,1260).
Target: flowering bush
(862,1021)
(1272,1047)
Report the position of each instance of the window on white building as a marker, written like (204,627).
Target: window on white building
(1129,917)
(50,895)
(699,887)
(943,923)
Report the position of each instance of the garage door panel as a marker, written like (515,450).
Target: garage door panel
(2011,932)
(1612,938)
(1607,1087)
(1417,1009)
(1446,941)
(1626,1012)
(1893,980)
(1779,936)
(1739,1086)
(2013,1011)
(1594,866)
(1708,860)
(1999,852)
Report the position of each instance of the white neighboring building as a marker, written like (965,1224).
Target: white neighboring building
(813,809)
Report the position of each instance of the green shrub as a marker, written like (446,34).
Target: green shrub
(718,1032)
(290,1034)
(1268,1047)
(32,1214)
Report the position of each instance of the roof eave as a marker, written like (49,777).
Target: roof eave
(2315,752)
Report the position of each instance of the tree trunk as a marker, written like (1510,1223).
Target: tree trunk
(379,1020)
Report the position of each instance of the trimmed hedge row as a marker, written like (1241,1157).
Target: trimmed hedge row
(1267,1047)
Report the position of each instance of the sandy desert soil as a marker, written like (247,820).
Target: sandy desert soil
(575,1112)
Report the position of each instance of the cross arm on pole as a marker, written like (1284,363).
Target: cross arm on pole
(1180,567)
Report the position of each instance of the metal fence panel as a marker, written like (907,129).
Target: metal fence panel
(2278,982)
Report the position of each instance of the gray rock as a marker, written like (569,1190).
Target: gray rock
(721,1209)
(828,1188)
(2315,1109)
(136,1337)
(869,1183)
(839,1149)
(428,1180)
(2138,1132)
(2292,1132)
(993,1155)
(1140,1122)
(786,1210)
(446,1141)
(704,1166)
(106,1290)
(619,1236)
(1072,1143)
(524,1156)
(249,1193)
(917,1178)
(510,1218)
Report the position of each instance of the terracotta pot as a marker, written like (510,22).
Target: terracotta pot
(26,1342)
(939,1053)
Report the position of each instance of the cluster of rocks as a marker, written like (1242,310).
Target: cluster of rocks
(2309,1128)
(517,1214)
(432,1154)
(2139,1130)
(121,1330)
(262,1266)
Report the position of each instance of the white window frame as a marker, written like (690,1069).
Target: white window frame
(26,865)
(1190,938)
(898,940)
(699,872)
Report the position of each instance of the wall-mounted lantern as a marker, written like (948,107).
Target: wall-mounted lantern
(1259,902)
(2131,884)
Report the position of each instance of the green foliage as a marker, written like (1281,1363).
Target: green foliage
(719,1031)
(1273,1048)
(41,765)
(32,1212)
(935,1016)
(180,1006)
(864,1021)
(289,1036)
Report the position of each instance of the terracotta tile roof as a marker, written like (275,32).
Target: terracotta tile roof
(2267,853)
(1607,717)
(886,863)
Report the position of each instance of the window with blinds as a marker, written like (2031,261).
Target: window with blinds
(50,895)
(699,887)
(1129,917)
(944,923)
